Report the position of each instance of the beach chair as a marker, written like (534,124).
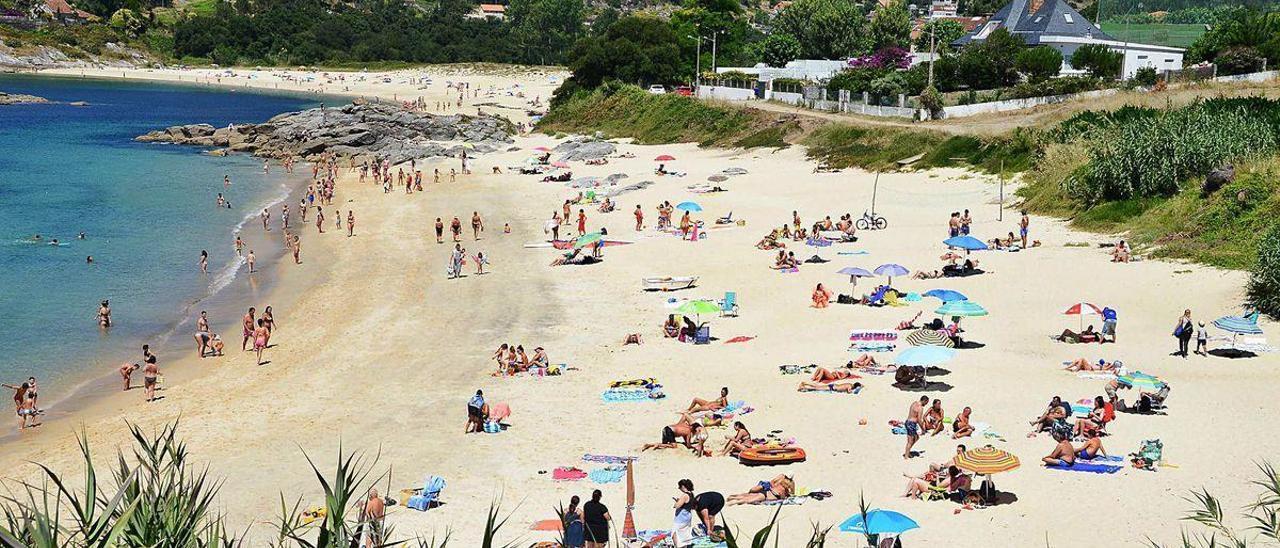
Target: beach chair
(703,335)
(729,306)
(877,298)
(891,299)
(429,496)
(727,219)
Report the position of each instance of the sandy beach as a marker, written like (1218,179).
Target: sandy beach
(377,351)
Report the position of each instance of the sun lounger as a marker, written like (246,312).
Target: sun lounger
(668,283)
(429,496)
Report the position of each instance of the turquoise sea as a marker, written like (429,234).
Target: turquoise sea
(146,210)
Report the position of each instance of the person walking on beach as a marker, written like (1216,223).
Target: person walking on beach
(284,217)
(252,260)
(439,231)
(554,225)
(266,218)
(582,222)
(1202,340)
(104,314)
(595,515)
(351,223)
(1183,331)
(477,225)
(455,228)
(320,219)
(239,246)
(915,415)
(1024,227)
(295,244)
(302,209)
(260,335)
(246,326)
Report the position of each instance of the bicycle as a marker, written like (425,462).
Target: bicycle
(871,221)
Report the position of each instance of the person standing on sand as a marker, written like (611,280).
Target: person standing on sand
(266,218)
(302,209)
(639,218)
(915,415)
(284,217)
(126,373)
(965,221)
(104,314)
(351,223)
(296,245)
(582,222)
(595,515)
(252,260)
(477,225)
(260,335)
(19,394)
(239,246)
(150,377)
(246,326)
(1183,332)
(1024,227)
(204,261)
(372,515)
(455,228)
(203,335)
(439,231)
(320,219)
(554,225)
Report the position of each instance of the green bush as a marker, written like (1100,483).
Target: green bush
(1243,60)
(1055,86)
(1146,76)
(887,88)
(1098,60)
(778,49)
(856,80)
(1264,281)
(1039,63)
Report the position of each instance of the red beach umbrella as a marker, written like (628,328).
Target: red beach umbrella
(1083,309)
(664,158)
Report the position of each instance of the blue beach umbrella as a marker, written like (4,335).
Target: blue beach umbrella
(1239,325)
(689,206)
(966,242)
(854,273)
(961,308)
(891,270)
(879,522)
(945,295)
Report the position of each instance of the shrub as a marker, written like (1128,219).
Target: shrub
(1146,76)
(931,101)
(1240,61)
(989,64)
(855,80)
(1098,60)
(887,88)
(1055,86)
(778,49)
(1264,282)
(1039,63)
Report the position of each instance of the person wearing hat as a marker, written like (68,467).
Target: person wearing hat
(1202,340)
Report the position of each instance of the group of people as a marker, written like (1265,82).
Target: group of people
(925,417)
(257,330)
(26,397)
(511,359)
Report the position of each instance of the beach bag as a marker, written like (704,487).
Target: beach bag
(1149,454)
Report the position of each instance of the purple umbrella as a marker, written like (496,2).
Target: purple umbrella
(892,270)
(854,273)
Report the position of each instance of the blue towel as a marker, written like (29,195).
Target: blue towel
(1089,466)
(608,474)
(626,395)
(1081,409)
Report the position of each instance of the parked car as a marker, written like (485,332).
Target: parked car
(657,89)
(685,91)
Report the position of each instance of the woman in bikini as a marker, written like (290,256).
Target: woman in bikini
(499,358)
(778,488)
(960,427)
(671,327)
(823,374)
(540,358)
(260,336)
(846,386)
(699,404)
(1081,364)
(741,440)
(821,297)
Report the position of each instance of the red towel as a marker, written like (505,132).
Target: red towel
(567,474)
(739,339)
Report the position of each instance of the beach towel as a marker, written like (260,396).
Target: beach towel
(1078,409)
(859,252)
(607,459)
(547,525)
(796,369)
(871,346)
(429,496)
(789,270)
(1095,375)
(789,501)
(567,473)
(739,339)
(608,474)
(1094,466)
(615,395)
(634,383)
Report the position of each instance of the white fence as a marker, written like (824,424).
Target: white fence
(1252,77)
(725,93)
(961,111)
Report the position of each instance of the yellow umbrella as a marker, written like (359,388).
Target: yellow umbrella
(987,460)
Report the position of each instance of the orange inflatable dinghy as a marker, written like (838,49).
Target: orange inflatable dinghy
(759,456)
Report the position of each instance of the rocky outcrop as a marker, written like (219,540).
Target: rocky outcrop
(44,57)
(584,149)
(20,99)
(356,130)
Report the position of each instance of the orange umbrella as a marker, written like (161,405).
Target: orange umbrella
(628,522)
(987,460)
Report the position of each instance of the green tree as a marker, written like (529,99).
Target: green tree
(1240,60)
(826,29)
(128,22)
(636,49)
(1098,60)
(891,26)
(778,49)
(945,31)
(1039,63)
(544,29)
(1264,281)
(990,63)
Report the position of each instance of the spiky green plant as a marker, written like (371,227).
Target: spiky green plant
(344,521)
(1209,513)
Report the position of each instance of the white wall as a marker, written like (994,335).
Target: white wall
(960,111)
(1135,59)
(725,93)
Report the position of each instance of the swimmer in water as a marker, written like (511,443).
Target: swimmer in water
(204,261)
(104,314)
(54,242)
(89,259)
(81,236)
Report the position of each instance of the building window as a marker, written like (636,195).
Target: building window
(1067,16)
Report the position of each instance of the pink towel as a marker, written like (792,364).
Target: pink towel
(567,474)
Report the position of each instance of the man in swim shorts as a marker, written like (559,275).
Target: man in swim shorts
(915,415)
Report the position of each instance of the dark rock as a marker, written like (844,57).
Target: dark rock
(1217,179)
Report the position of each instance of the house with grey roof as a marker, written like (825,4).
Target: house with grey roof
(1055,24)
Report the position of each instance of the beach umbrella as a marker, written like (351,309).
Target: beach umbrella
(1239,325)
(587,239)
(664,158)
(946,295)
(561,164)
(628,521)
(542,149)
(1141,380)
(854,273)
(926,337)
(1083,309)
(925,355)
(961,308)
(879,522)
(698,308)
(718,178)
(689,206)
(966,242)
(987,460)
(891,270)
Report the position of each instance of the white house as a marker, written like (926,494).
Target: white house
(800,69)
(1055,24)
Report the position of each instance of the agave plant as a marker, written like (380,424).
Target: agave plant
(344,522)
(1210,514)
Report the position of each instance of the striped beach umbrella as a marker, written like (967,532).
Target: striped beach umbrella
(1239,325)
(987,460)
(924,337)
(1141,381)
(961,308)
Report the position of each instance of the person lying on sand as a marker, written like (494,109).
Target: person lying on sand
(699,404)
(848,386)
(960,427)
(926,275)
(692,435)
(778,488)
(909,324)
(1081,364)
(954,481)
(823,374)
(741,440)
(1086,336)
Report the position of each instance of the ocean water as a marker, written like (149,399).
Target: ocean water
(147,210)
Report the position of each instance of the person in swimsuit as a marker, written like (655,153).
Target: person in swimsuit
(104,314)
(740,440)
(439,231)
(295,244)
(699,404)
(582,222)
(455,228)
(960,427)
(28,411)
(239,246)
(1023,228)
(202,335)
(1092,448)
(126,373)
(682,526)
(686,430)
(540,358)
(821,297)
(19,394)
(204,261)
(639,218)
(848,386)
(246,327)
(320,219)
(351,223)
(477,225)
(915,415)
(1063,454)
(933,418)
(260,335)
(823,374)
(778,488)
(253,261)
(150,376)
